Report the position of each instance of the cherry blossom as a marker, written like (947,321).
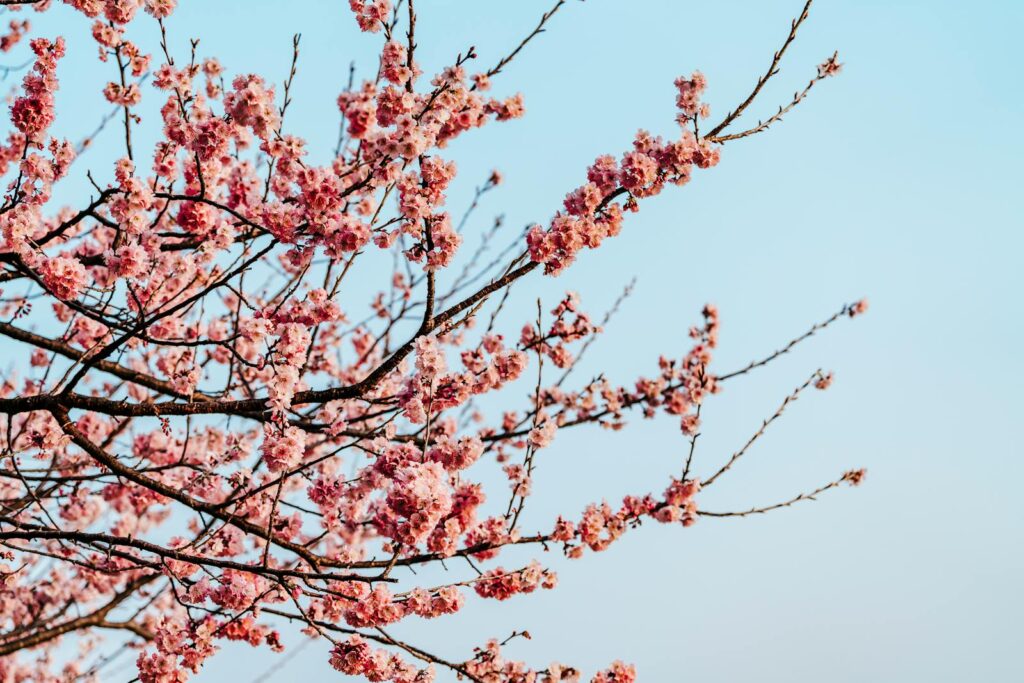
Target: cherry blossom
(209,440)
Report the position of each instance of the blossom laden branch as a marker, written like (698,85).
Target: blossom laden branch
(198,440)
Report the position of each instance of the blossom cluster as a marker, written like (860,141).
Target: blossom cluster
(208,437)
(591,213)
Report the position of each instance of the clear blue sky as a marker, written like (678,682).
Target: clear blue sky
(898,181)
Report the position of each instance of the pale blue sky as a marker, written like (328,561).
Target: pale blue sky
(897,181)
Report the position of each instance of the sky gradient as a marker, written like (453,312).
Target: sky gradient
(897,181)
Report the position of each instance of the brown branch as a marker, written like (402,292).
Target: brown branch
(772,70)
(96,618)
(817,327)
(100,541)
(109,367)
(762,126)
(504,61)
(113,464)
(253,407)
(764,426)
(768,508)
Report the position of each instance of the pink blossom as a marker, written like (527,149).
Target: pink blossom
(251,104)
(501,585)
(830,67)
(32,113)
(690,90)
(457,455)
(429,357)
(121,11)
(157,667)
(542,435)
(419,498)
(370,14)
(283,449)
(393,63)
(617,673)
(858,308)
(65,277)
(17,29)
(161,9)
(855,477)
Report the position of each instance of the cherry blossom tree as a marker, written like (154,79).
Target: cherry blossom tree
(199,444)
